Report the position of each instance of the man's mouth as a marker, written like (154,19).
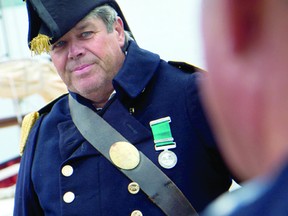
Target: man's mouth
(82,68)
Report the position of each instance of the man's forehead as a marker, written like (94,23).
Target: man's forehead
(87,22)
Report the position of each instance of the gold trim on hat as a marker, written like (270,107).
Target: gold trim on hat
(40,44)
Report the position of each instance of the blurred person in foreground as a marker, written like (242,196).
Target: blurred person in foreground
(246,97)
(151,102)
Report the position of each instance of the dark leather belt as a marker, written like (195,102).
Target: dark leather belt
(159,187)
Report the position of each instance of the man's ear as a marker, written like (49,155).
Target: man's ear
(119,28)
(244,22)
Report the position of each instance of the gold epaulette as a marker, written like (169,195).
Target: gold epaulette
(30,119)
(27,123)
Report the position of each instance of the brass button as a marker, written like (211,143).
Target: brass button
(133,187)
(67,170)
(131,110)
(136,213)
(69,197)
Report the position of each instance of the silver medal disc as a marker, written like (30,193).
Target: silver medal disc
(167,159)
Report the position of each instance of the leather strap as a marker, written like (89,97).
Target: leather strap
(161,190)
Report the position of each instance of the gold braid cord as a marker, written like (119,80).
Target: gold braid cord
(40,44)
(27,123)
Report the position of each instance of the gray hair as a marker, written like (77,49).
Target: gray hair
(108,15)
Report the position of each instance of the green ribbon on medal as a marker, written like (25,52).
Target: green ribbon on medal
(162,134)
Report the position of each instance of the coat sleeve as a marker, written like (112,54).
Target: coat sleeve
(26,202)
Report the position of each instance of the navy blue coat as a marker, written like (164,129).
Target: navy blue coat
(154,89)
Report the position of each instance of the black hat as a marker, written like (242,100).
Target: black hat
(49,20)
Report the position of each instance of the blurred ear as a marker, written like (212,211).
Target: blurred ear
(244,22)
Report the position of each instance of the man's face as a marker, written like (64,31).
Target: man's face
(88,57)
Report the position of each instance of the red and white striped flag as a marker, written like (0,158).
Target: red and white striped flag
(8,177)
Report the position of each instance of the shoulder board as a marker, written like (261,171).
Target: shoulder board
(29,121)
(185,66)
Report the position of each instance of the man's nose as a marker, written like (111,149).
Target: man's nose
(75,50)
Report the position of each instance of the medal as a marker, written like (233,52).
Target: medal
(167,159)
(164,141)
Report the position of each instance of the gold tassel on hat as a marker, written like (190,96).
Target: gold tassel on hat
(40,44)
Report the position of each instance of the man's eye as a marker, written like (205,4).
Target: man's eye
(58,44)
(87,34)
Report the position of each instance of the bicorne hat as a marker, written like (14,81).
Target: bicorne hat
(49,20)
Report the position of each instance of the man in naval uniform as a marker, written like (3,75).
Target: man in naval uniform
(151,103)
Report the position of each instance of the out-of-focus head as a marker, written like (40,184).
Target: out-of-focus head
(245,92)
(49,20)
